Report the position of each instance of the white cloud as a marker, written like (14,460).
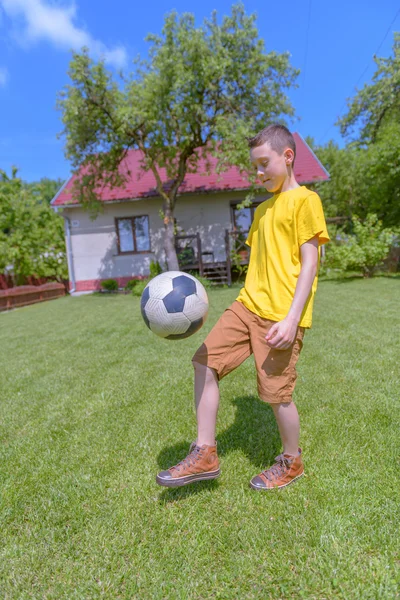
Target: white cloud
(3,76)
(55,24)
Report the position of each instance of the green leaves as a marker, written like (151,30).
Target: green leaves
(202,90)
(200,86)
(31,233)
(365,175)
(365,250)
(363,180)
(377,103)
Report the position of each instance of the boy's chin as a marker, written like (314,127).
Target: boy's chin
(270,187)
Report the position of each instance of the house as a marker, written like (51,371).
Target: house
(122,241)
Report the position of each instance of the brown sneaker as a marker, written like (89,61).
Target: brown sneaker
(201,463)
(286,469)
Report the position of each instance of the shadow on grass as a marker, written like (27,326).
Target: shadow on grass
(254,432)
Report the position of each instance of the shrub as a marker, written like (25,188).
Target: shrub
(203,280)
(186,256)
(155,269)
(139,287)
(237,263)
(364,251)
(111,285)
(131,285)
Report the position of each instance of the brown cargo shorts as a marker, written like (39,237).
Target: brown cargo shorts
(238,334)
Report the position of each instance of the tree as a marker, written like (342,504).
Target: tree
(45,188)
(31,233)
(339,195)
(378,102)
(379,176)
(201,91)
(365,174)
(363,180)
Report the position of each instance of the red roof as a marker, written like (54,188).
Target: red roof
(141,184)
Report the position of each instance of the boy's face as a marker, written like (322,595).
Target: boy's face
(272,168)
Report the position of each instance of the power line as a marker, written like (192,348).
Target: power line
(377,50)
(363,73)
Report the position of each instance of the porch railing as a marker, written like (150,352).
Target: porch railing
(190,254)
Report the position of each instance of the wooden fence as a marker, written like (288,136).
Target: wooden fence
(30,294)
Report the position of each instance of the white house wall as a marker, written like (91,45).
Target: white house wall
(208,215)
(94,242)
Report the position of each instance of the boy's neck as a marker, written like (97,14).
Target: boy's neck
(289,184)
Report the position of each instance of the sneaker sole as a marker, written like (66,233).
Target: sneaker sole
(276,487)
(178,482)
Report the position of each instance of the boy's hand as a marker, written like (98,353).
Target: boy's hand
(282,334)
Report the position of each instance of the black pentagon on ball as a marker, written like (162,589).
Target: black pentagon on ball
(143,302)
(193,327)
(182,288)
(174,301)
(186,285)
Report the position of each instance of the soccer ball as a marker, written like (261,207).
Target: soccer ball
(174,305)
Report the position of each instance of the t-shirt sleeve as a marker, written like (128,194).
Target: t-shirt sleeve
(311,221)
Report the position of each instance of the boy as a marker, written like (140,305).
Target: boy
(268,318)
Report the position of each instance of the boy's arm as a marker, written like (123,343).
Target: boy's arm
(282,334)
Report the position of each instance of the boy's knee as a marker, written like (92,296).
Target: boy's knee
(198,366)
(201,368)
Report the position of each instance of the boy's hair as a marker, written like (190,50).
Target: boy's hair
(277,136)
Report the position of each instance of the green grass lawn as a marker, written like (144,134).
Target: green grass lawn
(93,405)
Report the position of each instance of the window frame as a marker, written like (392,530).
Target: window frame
(132,219)
(233,206)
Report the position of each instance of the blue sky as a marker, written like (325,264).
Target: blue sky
(331,42)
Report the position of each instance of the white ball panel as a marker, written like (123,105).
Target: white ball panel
(195,308)
(158,330)
(201,292)
(163,323)
(179,324)
(160,286)
(157,315)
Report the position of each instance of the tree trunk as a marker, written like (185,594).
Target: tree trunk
(169,238)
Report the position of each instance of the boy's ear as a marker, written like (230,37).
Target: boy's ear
(289,156)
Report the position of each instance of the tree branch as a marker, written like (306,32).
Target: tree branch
(156,174)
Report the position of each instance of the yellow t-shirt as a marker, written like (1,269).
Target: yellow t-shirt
(281,225)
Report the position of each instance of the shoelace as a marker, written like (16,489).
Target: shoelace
(280,466)
(191,458)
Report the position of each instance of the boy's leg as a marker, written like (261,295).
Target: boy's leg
(288,466)
(206,393)
(276,378)
(288,422)
(202,461)
(225,348)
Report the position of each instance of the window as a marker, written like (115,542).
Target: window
(243,218)
(133,234)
